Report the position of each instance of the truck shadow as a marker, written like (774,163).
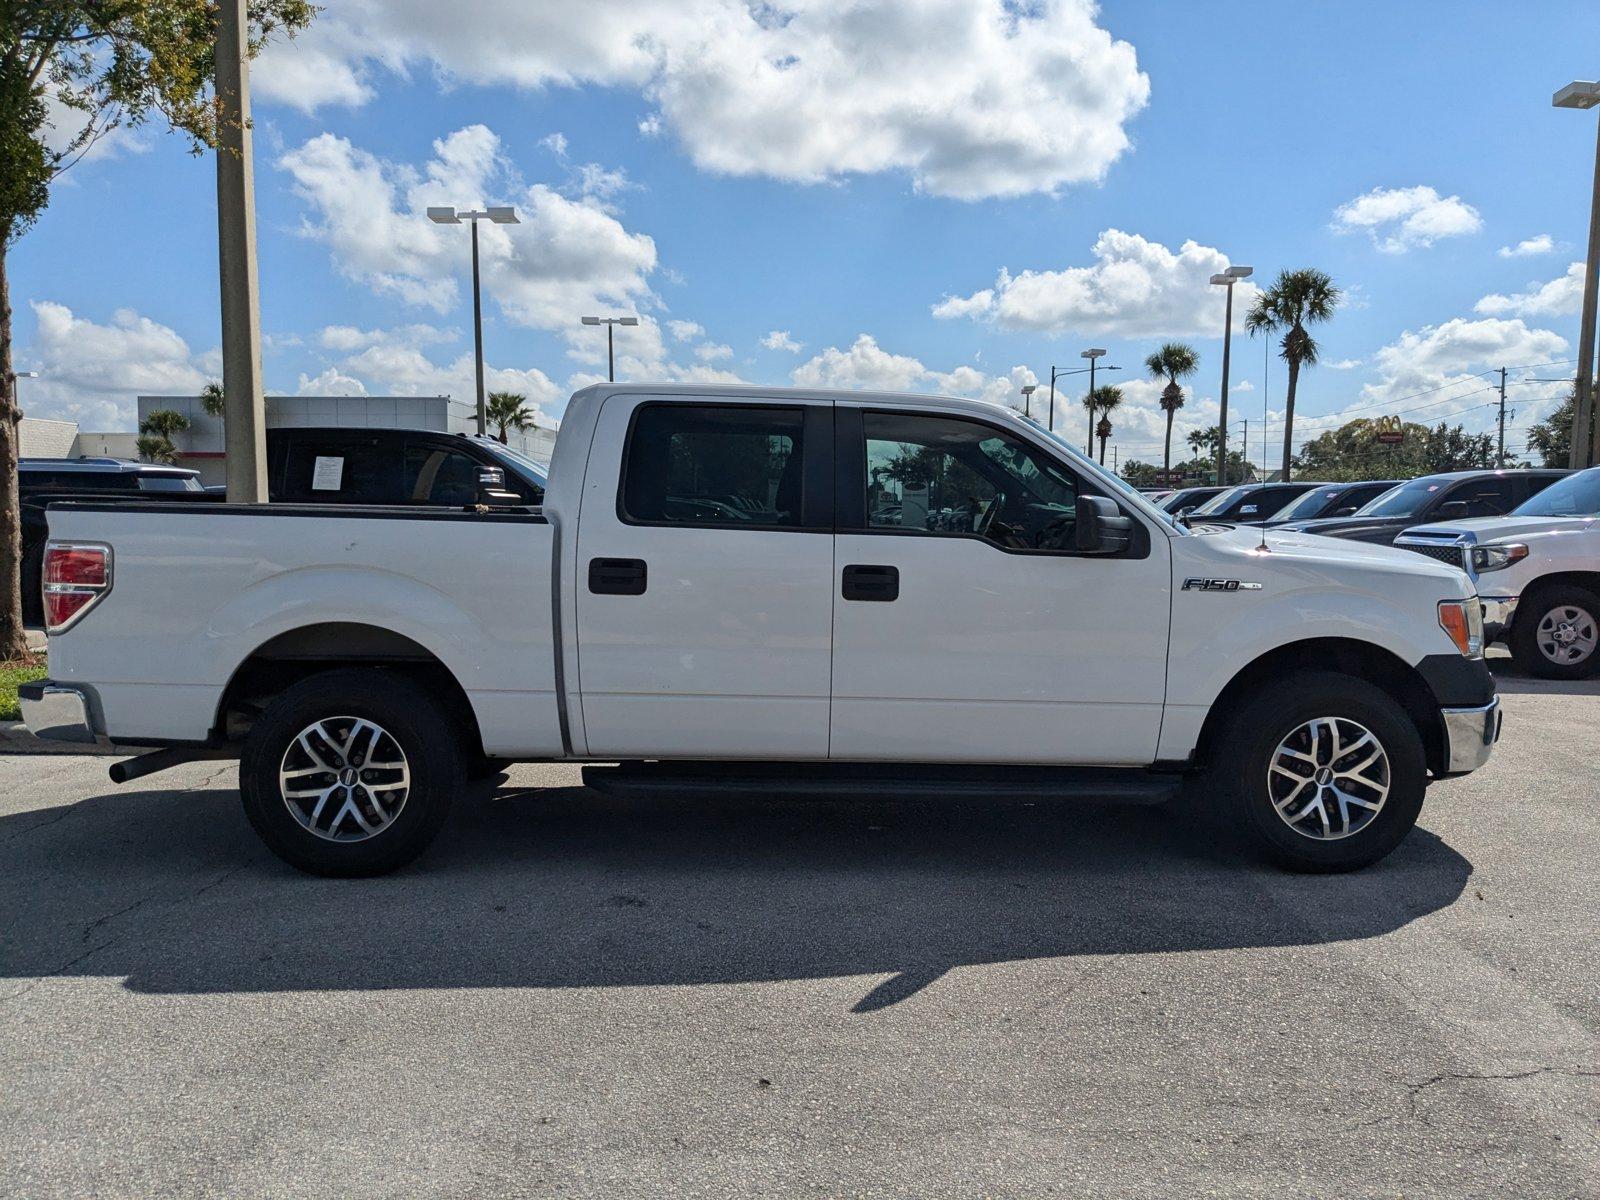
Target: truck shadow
(565,888)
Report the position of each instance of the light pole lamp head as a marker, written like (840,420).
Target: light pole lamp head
(627,320)
(1241,272)
(1577,94)
(503,216)
(1091,354)
(445,215)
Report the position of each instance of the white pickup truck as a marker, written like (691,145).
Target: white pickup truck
(1537,572)
(770,591)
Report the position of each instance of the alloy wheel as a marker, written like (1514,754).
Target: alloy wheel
(344,779)
(1329,778)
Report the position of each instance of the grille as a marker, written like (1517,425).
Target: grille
(1444,552)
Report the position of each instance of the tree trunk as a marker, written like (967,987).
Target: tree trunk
(12,642)
(1089,445)
(1288,415)
(1166,453)
(1102,452)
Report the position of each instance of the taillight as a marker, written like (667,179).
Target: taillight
(76,575)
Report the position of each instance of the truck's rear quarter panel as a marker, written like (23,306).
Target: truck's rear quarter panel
(196,592)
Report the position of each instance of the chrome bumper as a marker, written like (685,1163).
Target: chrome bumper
(1497,614)
(1470,734)
(56,712)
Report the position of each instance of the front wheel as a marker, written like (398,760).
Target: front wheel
(1554,634)
(350,773)
(1323,772)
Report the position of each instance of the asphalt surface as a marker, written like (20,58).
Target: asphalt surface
(577,996)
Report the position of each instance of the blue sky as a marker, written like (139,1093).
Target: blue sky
(856,177)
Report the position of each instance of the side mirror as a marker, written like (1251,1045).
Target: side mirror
(492,488)
(1454,510)
(1101,527)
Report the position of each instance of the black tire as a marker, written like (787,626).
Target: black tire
(1531,614)
(411,720)
(1248,743)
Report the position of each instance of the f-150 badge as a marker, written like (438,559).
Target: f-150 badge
(1220,585)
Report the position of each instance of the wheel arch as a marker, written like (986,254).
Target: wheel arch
(295,654)
(1364,660)
(1588,580)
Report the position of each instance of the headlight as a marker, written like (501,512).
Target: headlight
(1463,621)
(1496,558)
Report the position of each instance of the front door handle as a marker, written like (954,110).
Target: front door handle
(618,576)
(870,582)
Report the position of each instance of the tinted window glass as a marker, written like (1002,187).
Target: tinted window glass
(1483,497)
(727,465)
(343,472)
(437,475)
(169,483)
(944,475)
(1575,496)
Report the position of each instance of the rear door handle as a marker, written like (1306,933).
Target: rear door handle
(618,576)
(870,582)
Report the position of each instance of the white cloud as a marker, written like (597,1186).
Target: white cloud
(1136,288)
(330,382)
(707,352)
(391,362)
(1541,243)
(686,331)
(1343,364)
(556,143)
(1558,298)
(779,339)
(567,257)
(1400,219)
(971,98)
(91,373)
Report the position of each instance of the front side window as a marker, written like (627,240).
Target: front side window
(1483,498)
(435,475)
(722,465)
(943,475)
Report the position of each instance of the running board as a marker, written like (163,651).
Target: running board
(1122,785)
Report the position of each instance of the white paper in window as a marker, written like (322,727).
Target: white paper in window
(327,475)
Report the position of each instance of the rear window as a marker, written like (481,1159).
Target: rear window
(169,483)
(342,472)
(720,465)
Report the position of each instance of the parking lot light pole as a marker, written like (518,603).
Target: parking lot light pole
(1058,373)
(610,323)
(499,216)
(1226,279)
(1585,444)
(1093,356)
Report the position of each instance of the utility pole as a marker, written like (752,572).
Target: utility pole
(244,413)
(1500,460)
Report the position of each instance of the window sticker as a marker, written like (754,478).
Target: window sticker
(327,474)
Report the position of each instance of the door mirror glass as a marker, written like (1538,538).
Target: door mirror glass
(1453,510)
(1101,527)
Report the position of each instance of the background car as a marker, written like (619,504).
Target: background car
(1185,499)
(1451,496)
(1332,500)
(1250,502)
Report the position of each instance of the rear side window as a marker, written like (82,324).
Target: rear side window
(343,472)
(438,475)
(733,466)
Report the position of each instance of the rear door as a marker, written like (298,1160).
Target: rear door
(967,628)
(705,560)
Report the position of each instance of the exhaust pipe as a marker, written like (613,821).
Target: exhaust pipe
(161,760)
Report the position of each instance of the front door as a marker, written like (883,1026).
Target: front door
(705,557)
(967,628)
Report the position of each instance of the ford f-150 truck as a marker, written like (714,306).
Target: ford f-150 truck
(1537,572)
(768,590)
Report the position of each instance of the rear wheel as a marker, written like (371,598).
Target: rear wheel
(1321,771)
(1555,633)
(350,773)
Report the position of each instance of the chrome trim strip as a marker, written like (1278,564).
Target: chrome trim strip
(1470,735)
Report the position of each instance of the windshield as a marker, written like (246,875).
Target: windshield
(1309,505)
(1575,496)
(1122,486)
(1403,500)
(1222,500)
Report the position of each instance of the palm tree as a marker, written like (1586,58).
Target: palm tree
(1295,299)
(1106,398)
(211,399)
(509,410)
(1172,362)
(155,435)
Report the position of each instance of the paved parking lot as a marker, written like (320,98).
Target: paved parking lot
(579,996)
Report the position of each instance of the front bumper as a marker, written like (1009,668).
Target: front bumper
(1497,614)
(1470,735)
(56,712)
